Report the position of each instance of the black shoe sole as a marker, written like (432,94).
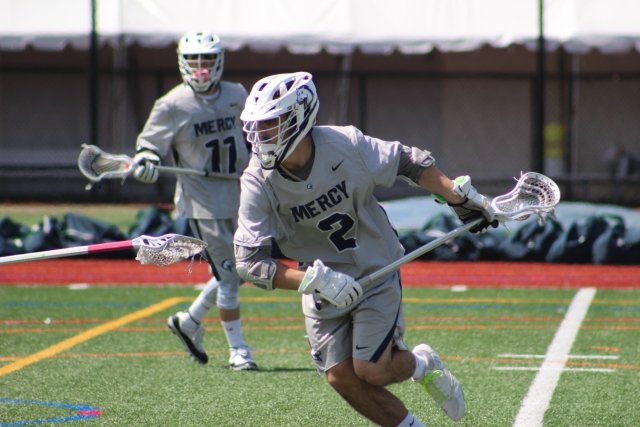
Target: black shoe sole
(174,327)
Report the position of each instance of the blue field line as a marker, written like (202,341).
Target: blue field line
(90,412)
(623,308)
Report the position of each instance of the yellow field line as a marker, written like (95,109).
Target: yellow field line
(89,334)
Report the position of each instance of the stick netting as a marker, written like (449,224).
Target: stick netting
(95,164)
(167,249)
(534,194)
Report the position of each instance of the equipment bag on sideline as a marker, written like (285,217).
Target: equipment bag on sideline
(80,230)
(531,241)
(575,244)
(463,248)
(11,234)
(616,244)
(155,221)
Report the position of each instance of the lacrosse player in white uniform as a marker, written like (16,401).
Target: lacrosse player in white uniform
(198,124)
(309,188)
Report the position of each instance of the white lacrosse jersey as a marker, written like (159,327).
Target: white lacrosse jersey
(332,215)
(202,133)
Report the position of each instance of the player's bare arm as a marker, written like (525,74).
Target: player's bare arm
(434,180)
(287,277)
(465,201)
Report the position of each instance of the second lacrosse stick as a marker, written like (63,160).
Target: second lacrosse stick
(97,165)
(164,250)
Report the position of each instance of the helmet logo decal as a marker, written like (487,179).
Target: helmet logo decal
(302,96)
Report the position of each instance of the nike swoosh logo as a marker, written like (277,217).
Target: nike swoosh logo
(361,348)
(334,168)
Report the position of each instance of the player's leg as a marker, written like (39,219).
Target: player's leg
(187,325)
(220,252)
(382,358)
(331,346)
(240,358)
(379,352)
(376,403)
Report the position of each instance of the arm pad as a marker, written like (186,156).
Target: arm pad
(256,265)
(413,161)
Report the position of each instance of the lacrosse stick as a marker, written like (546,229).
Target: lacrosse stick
(534,193)
(163,250)
(97,165)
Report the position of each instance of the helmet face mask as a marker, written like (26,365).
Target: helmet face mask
(269,139)
(200,60)
(279,112)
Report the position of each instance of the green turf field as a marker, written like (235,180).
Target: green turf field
(103,357)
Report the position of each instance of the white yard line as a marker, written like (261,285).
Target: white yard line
(538,397)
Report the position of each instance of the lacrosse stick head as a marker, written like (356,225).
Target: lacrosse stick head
(96,165)
(534,193)
(167,249)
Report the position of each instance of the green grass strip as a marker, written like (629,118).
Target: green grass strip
(89,334)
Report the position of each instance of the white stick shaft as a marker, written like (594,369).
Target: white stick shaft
(65,252)
(366,280)
(185,171)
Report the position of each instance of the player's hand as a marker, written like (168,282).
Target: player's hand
(145,162)
(473,206)
(338,288)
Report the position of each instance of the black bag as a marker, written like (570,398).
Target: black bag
(154,221)
(630,250)
(575,244)
(531,241)
(465,247)
(11,234)
(44,236)
(608,247)
(80,230)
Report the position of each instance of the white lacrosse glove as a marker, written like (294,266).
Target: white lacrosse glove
(145,162)
(473,206)
(338,288)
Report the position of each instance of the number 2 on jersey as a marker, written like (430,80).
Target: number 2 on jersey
(218,156)
(339,224)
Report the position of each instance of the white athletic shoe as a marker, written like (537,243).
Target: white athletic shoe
(440,383)
(190,334)
(241,360)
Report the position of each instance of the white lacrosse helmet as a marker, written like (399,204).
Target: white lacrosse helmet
(201,60)
(291,101)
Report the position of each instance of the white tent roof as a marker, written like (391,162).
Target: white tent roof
(337,26)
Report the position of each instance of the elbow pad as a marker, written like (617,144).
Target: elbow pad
(413,161)
(255,265)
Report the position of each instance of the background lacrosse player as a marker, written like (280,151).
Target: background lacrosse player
(198,124)
(310,188)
